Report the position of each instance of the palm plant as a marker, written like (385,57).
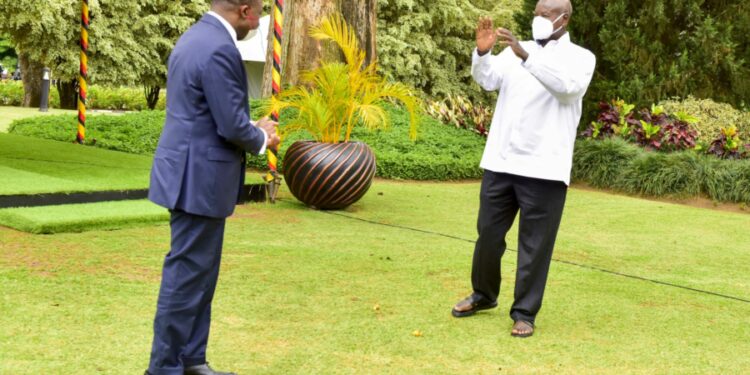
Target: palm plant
(337,96)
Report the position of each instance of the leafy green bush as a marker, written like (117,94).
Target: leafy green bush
(427,44)
(655,129)
(11,94)
(462,113)
(648,51)
(657,174)
(136,132)
(99,97)
(712,116)
(440,153)
(615,164)
(599,163)
(121,98)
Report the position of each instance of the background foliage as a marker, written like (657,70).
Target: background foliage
(100,97)
(428,43)
(615,164)
(440,153)
(8,58)
(651,50)
(712,116)
(129,40)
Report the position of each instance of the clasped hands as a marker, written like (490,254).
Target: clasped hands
(269,126)
(487,37)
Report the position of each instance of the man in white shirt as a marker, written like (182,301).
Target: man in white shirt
(528,156)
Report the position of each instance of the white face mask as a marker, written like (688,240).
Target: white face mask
(249,35)
(542,28)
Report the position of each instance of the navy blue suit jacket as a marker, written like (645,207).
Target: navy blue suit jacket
(199,162)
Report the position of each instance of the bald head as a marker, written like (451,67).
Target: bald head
(557,6)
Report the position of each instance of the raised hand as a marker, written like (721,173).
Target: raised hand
(507,37)
(486,35)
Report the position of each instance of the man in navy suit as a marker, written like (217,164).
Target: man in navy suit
(198,169)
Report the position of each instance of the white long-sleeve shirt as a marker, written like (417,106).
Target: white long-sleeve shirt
(536,119)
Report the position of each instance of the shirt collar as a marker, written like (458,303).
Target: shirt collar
(226,24)
(562,40)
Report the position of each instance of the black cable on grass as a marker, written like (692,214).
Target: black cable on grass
(553,259)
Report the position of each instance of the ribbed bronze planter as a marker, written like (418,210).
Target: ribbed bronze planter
(329,176)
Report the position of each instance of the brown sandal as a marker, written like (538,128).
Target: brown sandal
(471,304)
(522,329)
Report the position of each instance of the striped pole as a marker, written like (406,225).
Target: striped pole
(84,73)
(273,178)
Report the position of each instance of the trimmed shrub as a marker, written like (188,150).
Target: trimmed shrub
(137,132)
(99,97)
(615,164)
(440,153)
(656,174)
(712,116)
(599,163)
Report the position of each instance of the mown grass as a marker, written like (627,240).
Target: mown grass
(83,217)
(308,292)
(33,166)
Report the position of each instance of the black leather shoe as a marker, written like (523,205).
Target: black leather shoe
(471,304)
(204,369)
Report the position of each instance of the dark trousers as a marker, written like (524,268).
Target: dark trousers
(183,312)
(541,205)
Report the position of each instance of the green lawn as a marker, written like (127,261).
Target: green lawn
(33,166)
(9,114)
(83,217)
(304,292)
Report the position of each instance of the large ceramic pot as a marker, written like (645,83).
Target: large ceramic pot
(329,176)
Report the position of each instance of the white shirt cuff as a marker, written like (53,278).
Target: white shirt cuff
(483,57)
(265,142)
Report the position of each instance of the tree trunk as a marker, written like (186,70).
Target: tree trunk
(152,96)
(300,52)
(362,15)
(68,93)
(32,80)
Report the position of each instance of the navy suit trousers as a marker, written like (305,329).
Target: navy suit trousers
(183,312)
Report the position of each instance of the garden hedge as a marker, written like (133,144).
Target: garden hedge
(99,97)
(440,153)
(615,164)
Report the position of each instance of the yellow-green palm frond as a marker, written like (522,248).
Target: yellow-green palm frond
(406,96)
(313,112)
(335,28)
(373,116)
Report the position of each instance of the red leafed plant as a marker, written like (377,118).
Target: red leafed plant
(728,145)
(679,134)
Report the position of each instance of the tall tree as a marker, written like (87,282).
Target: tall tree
(129,41)
(428,43)
(47,33)
(651,50)
(8,56)
(300,52)
(161,23)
